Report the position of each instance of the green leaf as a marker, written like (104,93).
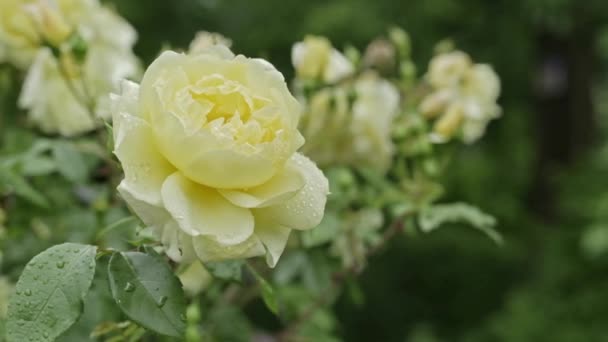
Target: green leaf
(50,293)
(230,270)
(70,162)
(325,232)
(268,294)
(22,188)
(146,290)
(433,217)
(38,166)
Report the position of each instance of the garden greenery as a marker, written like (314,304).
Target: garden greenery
(159,187)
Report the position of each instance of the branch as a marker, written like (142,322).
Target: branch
(338,280)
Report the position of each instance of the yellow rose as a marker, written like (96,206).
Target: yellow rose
(208,145)
(25,25)
(339,133)
(463,97)
(325,125)
(56,106)
(315,58)
(448,69)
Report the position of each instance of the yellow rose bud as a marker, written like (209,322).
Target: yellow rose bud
(208,146)
(195,278)
(315,58)
(49,21)
(434,104)
(449,123)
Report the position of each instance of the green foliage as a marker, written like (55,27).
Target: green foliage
(50,293)
(439,214)
(231,270)
(147,291)
(268,293)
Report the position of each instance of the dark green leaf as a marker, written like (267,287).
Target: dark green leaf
(268,295)
(50,293)
(147,291)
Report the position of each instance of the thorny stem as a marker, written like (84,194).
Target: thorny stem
(338,280)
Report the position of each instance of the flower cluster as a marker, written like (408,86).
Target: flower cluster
(463,97)
(347,120)
(208,145)
(76,53)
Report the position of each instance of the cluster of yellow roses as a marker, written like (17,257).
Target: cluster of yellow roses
(75,53)
(209,140)
(348,119)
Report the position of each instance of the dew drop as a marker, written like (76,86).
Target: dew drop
(161,301)
(60,264)
(129,287)
(28,292)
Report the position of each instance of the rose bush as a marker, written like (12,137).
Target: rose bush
(208,145)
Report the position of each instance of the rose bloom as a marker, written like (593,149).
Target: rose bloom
(208,145)
(63,95)
(315,58)
(463,97)
(359,133)
(26,25)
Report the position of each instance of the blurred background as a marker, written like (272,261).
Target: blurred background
(542,169)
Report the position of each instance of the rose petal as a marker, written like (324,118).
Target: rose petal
(152,215)
(278,189)
(273,236)
(145,168)
(200,210)
(305,209)
(208,249)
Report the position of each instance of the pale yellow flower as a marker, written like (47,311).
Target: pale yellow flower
(315,58)
(64,95)
(339,133)
(446,70)
(55,107)
(25,25)
(208,145)
(463,97)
